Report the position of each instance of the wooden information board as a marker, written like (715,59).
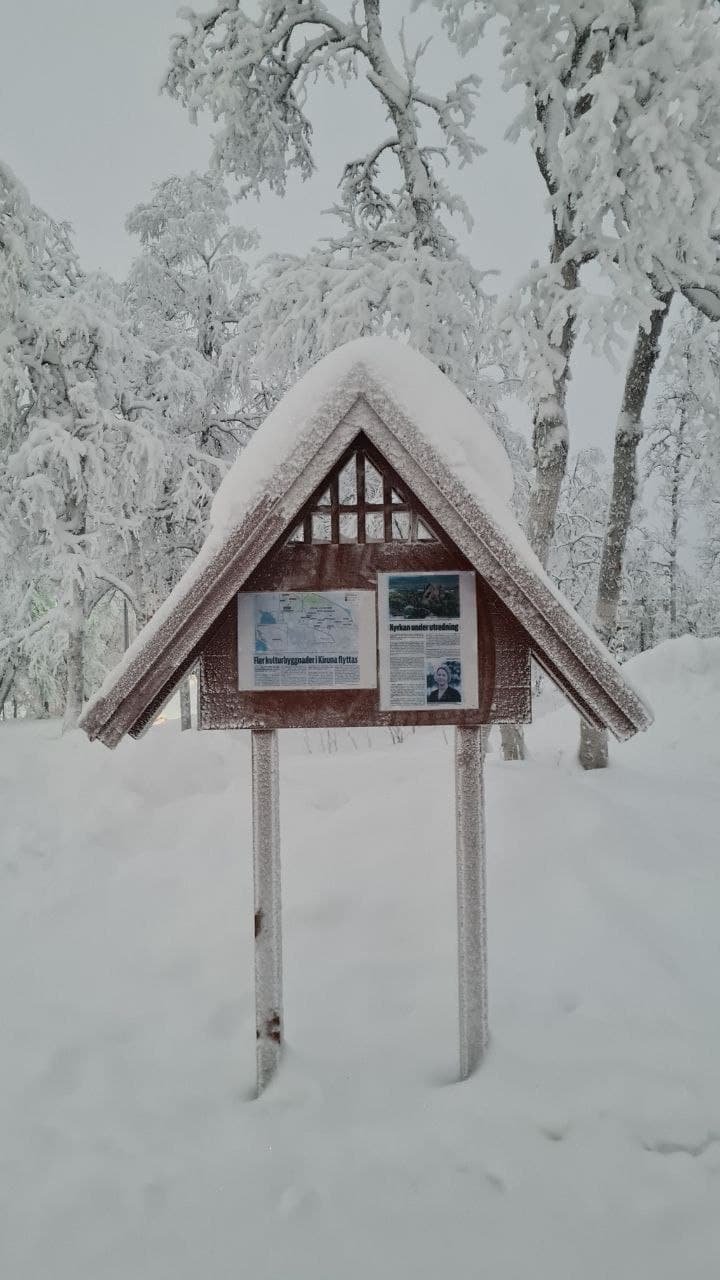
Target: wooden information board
(448,625)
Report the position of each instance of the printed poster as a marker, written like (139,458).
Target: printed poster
(427,641)
(306,640)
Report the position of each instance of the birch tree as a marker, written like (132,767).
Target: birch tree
(189,290)
(622,106)
(82,455)
(36,259)
(678,458)
(580,524)
(79,465)
(681,470)
(664,85)
(252,76)
(393,266)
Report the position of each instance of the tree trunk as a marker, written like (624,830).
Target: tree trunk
(7,679)
(550,452)
(675,522)
(75,658)
(550,427)
(512,740)
(185,712)
(399,105)
(593,752)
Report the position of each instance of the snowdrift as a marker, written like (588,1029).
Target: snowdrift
(589,1143)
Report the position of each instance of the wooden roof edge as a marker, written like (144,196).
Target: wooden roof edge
(151,652)
(612,698)
(613,717)
(116,709)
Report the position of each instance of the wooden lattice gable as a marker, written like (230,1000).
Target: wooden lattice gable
(362,500)
(442,457)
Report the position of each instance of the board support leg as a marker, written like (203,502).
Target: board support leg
(268,929)
(472,922)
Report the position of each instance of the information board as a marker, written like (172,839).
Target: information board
(427,641)
(306,640)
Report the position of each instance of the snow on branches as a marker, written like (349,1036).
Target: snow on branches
(622,110)
(189,291)
(393,267)
(252,73)
(117,422)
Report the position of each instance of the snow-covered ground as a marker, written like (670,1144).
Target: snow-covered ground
(588,1145)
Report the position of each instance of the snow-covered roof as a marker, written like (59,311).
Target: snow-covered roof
(444,450)
(433,407)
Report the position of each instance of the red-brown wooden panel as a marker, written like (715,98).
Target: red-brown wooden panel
(326,567)
(512,698)
(503,645)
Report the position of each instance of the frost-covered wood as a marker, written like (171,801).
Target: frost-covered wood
(444,453)
(185,710)
(268,937)
(471,898)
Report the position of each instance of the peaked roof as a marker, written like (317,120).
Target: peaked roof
(446,453)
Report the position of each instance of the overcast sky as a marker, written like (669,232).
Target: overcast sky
(86,129)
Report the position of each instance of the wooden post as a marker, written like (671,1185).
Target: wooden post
(268,938)
(472,924)
(185,710)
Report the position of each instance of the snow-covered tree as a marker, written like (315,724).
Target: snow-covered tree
(189,289)
(579,528)
(642,613)
(622,109)
(251,74)
(36,259)
(393,267)
(679,437)
(682,464)
(189,292)
(358,283)
(79,465)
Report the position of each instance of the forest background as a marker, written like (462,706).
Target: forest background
(566,274)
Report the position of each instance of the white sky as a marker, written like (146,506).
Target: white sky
(85,128)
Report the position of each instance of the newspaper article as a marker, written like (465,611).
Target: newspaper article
(427,641)
(306,640)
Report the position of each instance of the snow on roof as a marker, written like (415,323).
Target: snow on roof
(431,406)
(431,403)
(433,409)
(439,429)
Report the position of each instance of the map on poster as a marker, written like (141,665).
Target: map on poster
(427,641)
(306,640)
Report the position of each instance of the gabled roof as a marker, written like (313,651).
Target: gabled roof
(444,451)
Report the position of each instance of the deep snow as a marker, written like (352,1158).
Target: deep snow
(588,1145)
